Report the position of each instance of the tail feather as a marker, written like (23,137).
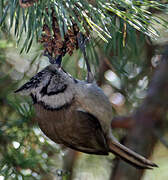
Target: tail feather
(130,156)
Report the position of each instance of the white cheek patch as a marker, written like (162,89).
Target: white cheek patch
(56,100)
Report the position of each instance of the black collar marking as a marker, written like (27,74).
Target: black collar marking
(65,106)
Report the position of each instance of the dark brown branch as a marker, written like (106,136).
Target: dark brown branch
(122,122)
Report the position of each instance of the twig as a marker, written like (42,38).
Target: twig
(122,122)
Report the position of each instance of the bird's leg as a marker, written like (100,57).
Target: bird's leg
(82,45)
(57,60)
(47,54)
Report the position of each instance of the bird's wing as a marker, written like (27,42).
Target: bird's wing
(87,135)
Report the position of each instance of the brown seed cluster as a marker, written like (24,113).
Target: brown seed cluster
(26,3)
(51,38)
(54,44)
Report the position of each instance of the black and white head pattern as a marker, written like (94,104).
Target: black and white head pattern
(52,88)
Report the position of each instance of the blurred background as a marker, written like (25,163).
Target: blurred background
(125,64)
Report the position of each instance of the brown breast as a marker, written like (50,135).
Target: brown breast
(75,129)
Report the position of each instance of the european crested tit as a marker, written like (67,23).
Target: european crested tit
(77,114)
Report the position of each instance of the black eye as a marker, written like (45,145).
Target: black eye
(56,79)
(57,89)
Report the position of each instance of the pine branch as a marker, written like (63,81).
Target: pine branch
(90,16)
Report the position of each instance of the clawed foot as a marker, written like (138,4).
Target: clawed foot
(57,61)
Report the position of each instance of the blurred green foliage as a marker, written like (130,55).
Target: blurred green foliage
(24,150)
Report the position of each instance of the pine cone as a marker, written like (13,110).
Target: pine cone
(54,44)
(26,3)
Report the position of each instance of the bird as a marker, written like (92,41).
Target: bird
(77,114)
